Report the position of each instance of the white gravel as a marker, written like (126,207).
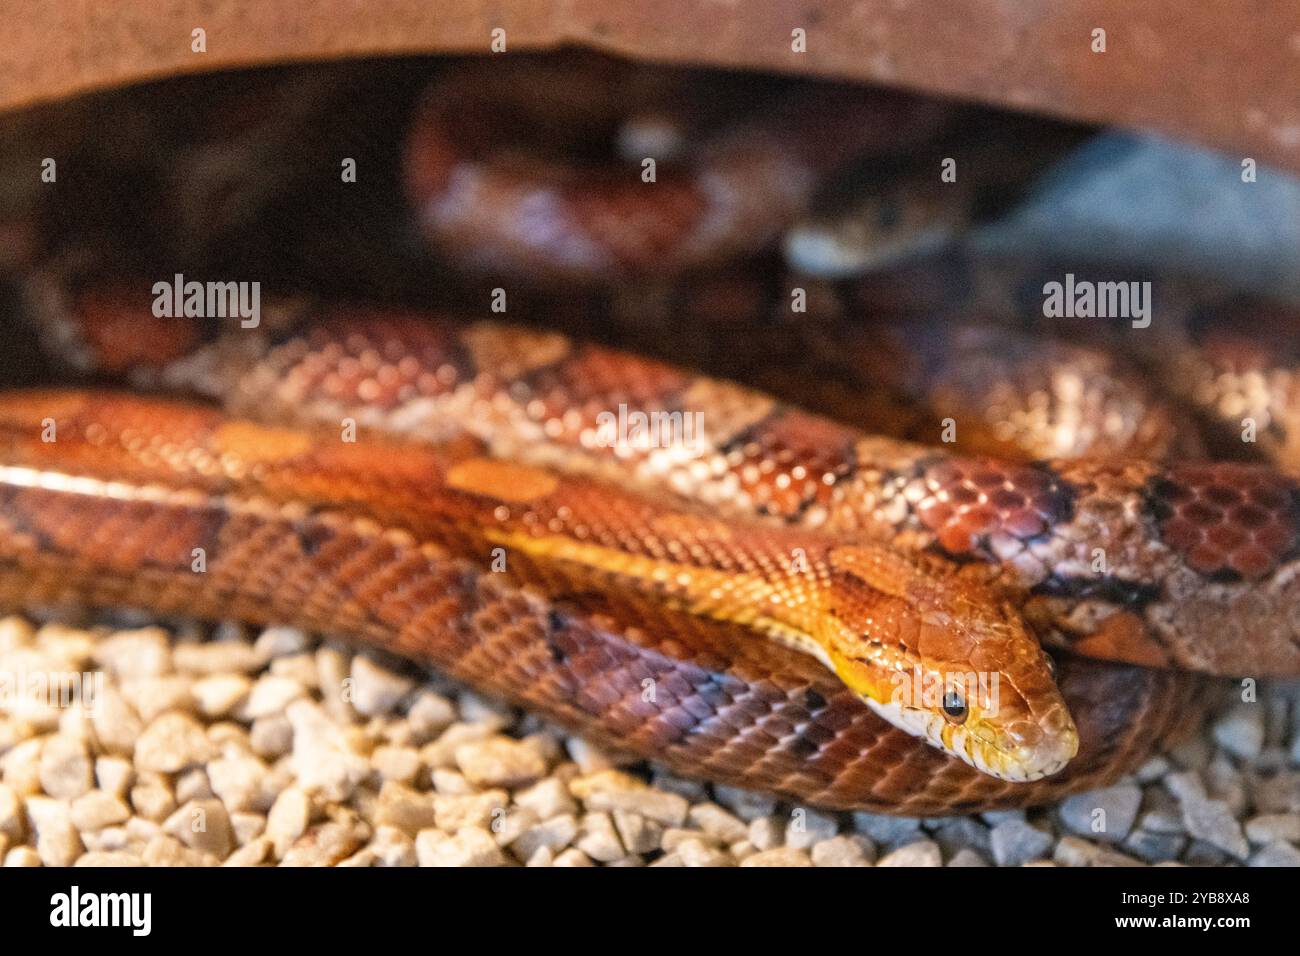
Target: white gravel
(220,746)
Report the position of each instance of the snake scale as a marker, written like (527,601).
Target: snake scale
(635,575)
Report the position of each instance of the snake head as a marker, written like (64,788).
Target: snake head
(903,221)
(945,660)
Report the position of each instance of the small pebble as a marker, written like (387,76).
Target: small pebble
(327,844)
(1274,828)
(15,631)
(598,838)
(400,764)
(887,831)
(325,756)
(20,768)
(23,856)
(766,832)
(442,752)
(172,742)
(271,737)
(98,809)
(393,848)
(543,857)
(57,840)
(638,834)
(499,762)
(1209,821)
(1276,854)
(666,808)
(700,853)
(219,694)
(376,690)
(165,850)
(239,781)
(1015,842)
(287,749)
(470,846)
(404,808)
(693,790)
(588,756)
(717,822)
(132,654)
(152,798)
(1075,851)
(288,819)
(1200,853)
(252,852)
(193,785)
(745,804)
(279,641)
(844,850)
(1106,815)
(430,715)
(807,827)
(272,695)
(555,834)
(1241,731)
(781,856)
(247,826)
(109,858)
(452,813)
(226,658)
(995,817)
(674,836)
(202,825)
(67,770)
(548,798)
(573,857)
(11,814)
(114,775)
(962,833)
(508,825)
(919,853)
(1155,847)
(1152,770)
(115,723)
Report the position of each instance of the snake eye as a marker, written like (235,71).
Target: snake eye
(954,706)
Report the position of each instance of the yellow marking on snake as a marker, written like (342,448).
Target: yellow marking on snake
(722,595)
(505,481)
(257,443)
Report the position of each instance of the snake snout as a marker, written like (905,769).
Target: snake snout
(1047,756)
(1037,745)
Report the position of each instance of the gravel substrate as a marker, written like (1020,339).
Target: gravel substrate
(230,747)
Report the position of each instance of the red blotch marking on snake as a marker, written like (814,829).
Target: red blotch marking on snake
(1228,521)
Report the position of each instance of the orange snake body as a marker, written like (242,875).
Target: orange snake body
(1194,566)
(297,528)
(498,168)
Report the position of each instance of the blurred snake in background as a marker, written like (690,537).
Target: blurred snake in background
(744,607)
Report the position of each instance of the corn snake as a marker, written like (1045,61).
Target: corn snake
(1067,605)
